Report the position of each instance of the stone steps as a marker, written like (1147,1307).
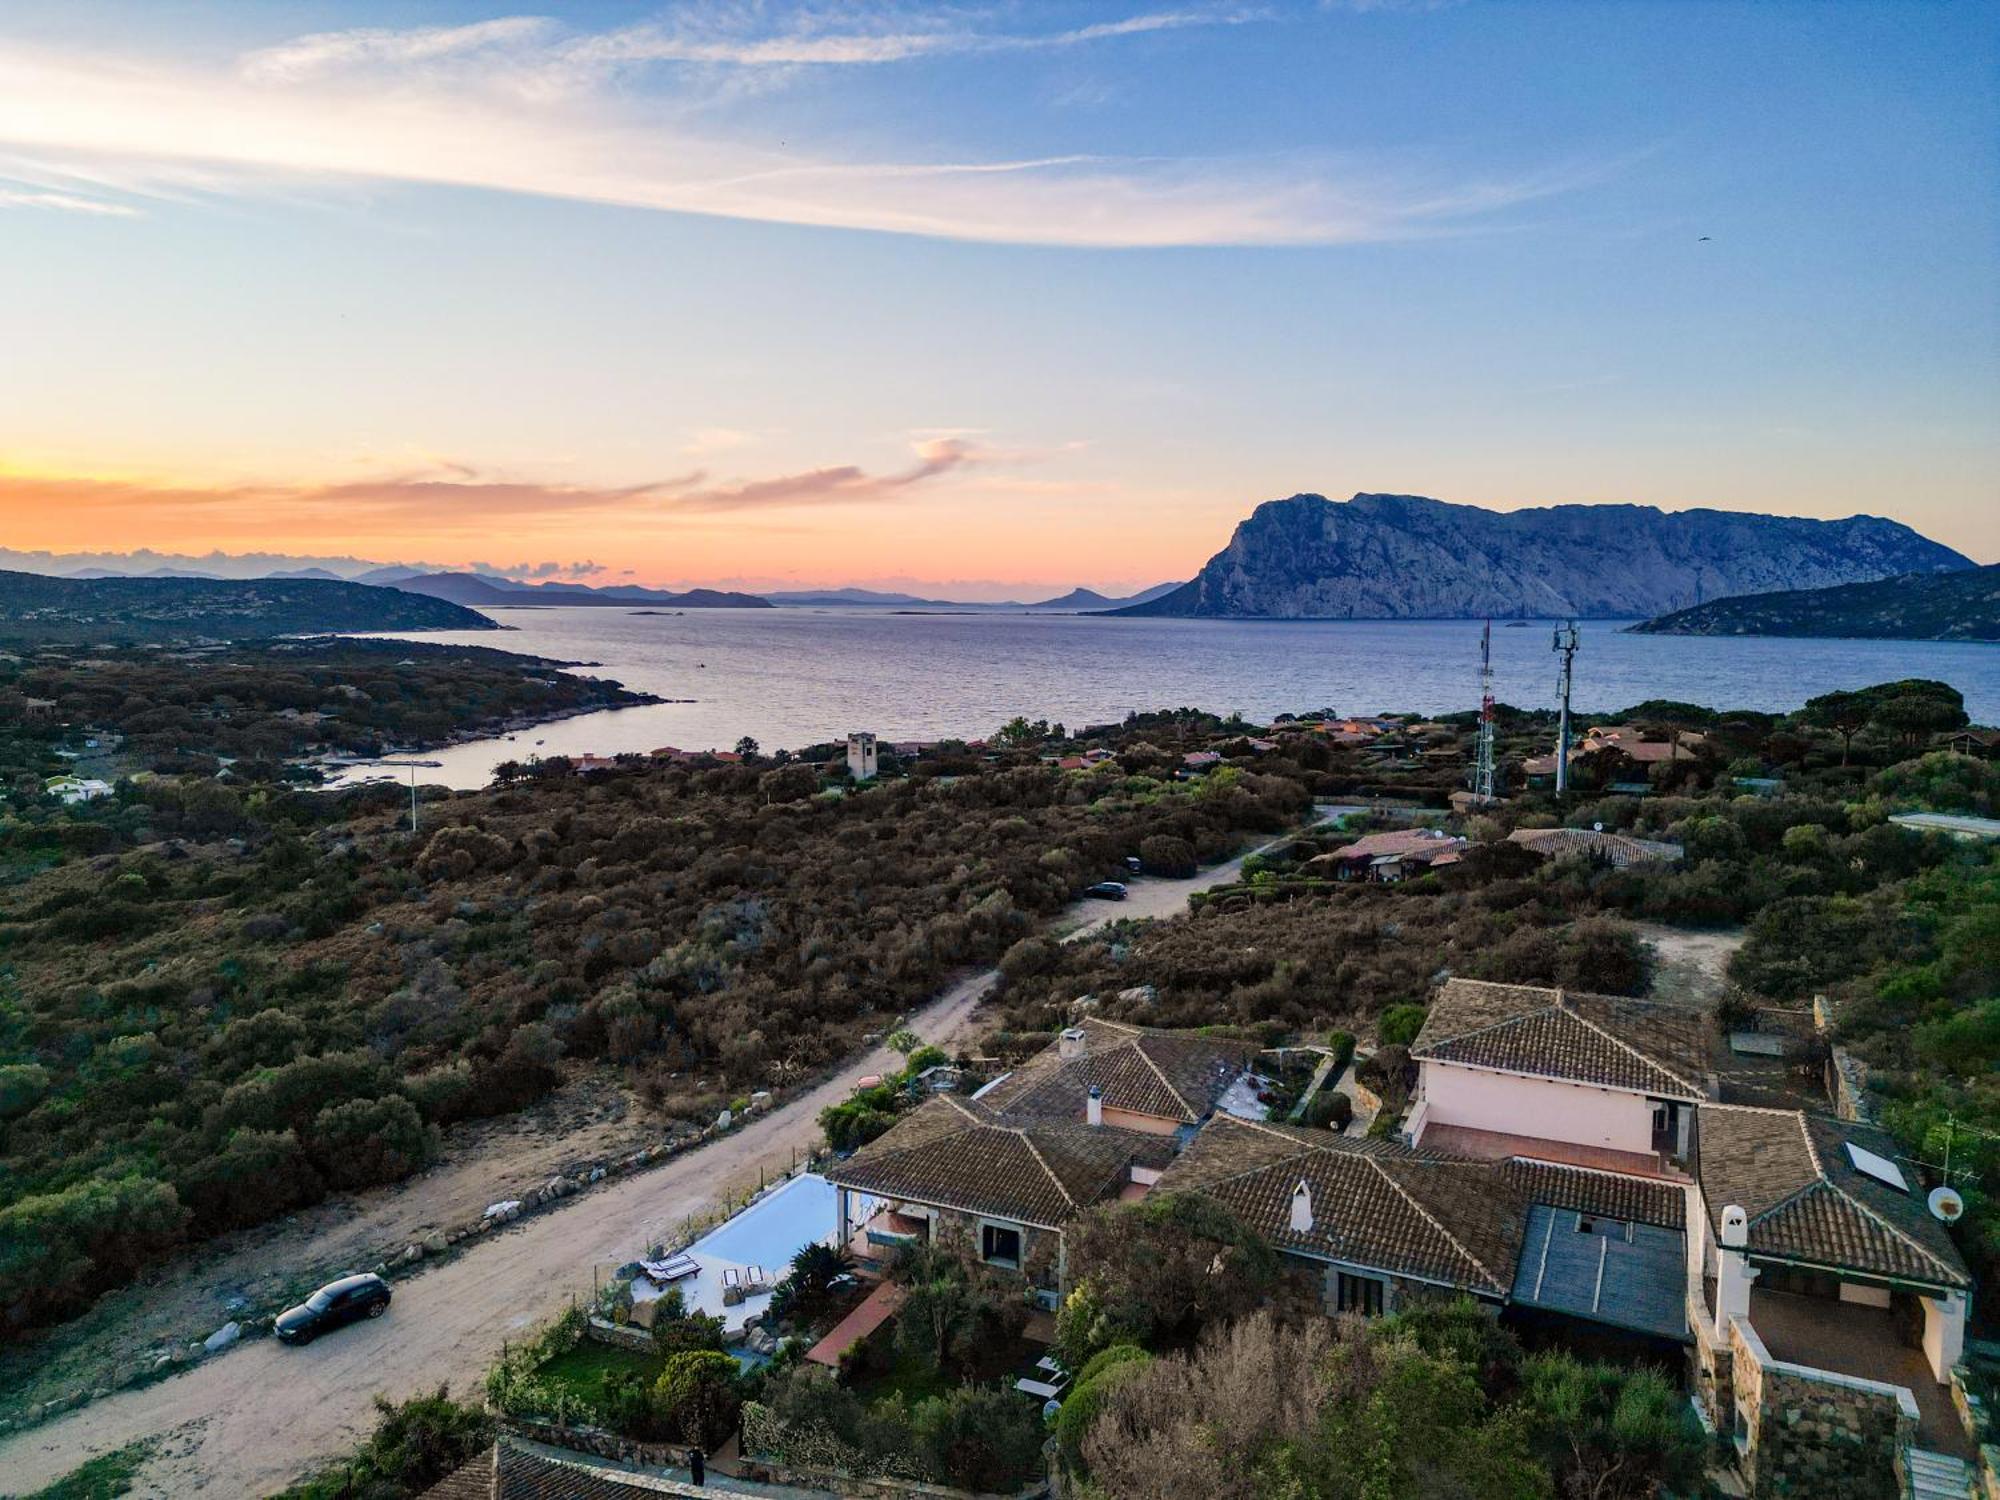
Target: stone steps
(1937,1476)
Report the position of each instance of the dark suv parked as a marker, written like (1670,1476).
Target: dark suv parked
(336,1303)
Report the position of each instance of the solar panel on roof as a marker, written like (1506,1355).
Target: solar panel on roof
(1878,1167)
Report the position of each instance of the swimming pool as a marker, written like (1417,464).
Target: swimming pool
(767,1234)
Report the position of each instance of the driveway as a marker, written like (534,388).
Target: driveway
(251,1421)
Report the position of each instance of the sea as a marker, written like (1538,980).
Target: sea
(799,676)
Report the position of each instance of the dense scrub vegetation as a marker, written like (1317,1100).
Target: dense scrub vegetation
(199,1037)
(262,705)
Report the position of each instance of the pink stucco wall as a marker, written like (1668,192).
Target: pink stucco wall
(1536,1106)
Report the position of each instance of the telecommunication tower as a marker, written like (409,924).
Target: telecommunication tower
(1482,770)
(1565,647)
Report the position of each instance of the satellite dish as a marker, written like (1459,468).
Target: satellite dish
(1597,828)
(1946,1204)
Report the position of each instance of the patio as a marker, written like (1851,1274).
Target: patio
(1851,1339)
(764,1236)
(1498,1145)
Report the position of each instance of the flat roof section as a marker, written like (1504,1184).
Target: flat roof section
(1626,1275)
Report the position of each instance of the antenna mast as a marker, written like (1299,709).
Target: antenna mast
(1482,771)
(1565,647)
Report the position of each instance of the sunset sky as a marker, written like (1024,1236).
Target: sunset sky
(980,295)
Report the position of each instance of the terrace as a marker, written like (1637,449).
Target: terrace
(1849,1338)
(763,1237)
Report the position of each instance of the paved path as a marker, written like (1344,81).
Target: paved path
(249,1422)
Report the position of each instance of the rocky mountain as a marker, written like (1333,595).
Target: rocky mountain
(492,593)
(1082,600)
(1408,557)
(1961,606)
(37,607)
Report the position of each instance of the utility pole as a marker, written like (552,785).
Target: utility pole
(1482,770)
(1565,647)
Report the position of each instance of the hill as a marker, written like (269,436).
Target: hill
(1408,557)
(36,607)
(1914,607)
(503,593)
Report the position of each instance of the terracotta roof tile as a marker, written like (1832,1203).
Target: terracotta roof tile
(958,1153)
(1170,1075)
(1578,1038)
(526,1475)
(1792,1175)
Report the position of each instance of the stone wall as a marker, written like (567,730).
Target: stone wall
(1041,1249)
(1812,1434)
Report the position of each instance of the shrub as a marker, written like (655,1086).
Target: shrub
(1163,854)
(1400,1024)
(1330,1110)
(1085,1400)
(978,1437)
(698,1396)
(368,1141)
(21,1088)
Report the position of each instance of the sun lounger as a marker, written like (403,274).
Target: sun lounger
(1045,1389)
(1047,1364)
(731,1277)
(673,1268)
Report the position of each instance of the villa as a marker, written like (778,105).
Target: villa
(1389,857)
(1604,1081)
(1093,1119)
(1619,850)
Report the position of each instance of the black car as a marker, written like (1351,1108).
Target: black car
(337,1302)
(1107,890)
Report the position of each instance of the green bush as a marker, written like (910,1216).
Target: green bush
(697,1395)
(22,1086)
(978,1437)
(1400,1024)
(1086,1399)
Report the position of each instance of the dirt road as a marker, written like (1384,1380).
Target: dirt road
(250,1421)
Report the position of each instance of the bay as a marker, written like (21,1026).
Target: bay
(793,677)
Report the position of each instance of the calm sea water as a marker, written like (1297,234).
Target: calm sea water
(791,677)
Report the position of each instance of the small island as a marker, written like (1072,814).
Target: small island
(1956,606)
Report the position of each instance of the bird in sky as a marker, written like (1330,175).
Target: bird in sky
(1704,239)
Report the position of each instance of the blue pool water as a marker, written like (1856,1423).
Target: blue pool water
(771,1231)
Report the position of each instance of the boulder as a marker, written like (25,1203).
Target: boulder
(412,1253)
(435,1243)
(223,1337)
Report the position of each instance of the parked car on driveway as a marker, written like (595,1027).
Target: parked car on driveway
(338,1302)
(1107,890)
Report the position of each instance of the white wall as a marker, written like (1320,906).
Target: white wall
(1944,1333)
(1537,1107)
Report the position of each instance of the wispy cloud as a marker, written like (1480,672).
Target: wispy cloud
(460,497)
(636,117)
(65,202)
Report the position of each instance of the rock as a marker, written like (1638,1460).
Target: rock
(724,1120)
(381,1268)
(597,1174)
(1406,557)
(223,1337)
(435,1243)
(100,1393)
(502,1211)
(413,1253)
(164,1362)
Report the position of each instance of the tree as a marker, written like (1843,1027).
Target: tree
(697,1392)
(1163,1268)
(1845,713)
(978,1437)
(1610,1433)
(747,748)
(1399,1025)
(416,1443)
(1163,854)
(904,1041)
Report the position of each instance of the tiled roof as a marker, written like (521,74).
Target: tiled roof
(1790,1172)
(1398,843)
(507,1471)
(1375,1204)
(1172,1075)
(1618,848)
(1578,1038)
(1615,1195)
(958,1153)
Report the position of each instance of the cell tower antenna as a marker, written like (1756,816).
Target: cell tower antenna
(1565,647)
(1482,771)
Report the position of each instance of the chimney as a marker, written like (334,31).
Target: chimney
(1302,1209)
(1070,1043)
(1093,1108)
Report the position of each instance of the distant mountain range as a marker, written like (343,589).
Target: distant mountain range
(1077,600)
(1963,606)
(503,593)
(1409,557)
(37,607)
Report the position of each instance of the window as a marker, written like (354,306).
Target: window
(1000,1246)
(1359,1294)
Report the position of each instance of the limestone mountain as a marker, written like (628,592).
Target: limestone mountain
(1408,557)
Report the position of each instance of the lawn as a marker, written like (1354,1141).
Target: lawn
(585,1368)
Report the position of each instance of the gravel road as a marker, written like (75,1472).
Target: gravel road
(250,1421)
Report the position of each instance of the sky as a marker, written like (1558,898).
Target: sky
(980,296)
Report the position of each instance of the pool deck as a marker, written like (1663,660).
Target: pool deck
(772,1230)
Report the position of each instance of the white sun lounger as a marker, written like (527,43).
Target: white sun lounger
(673,1268)
(1042,1388)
